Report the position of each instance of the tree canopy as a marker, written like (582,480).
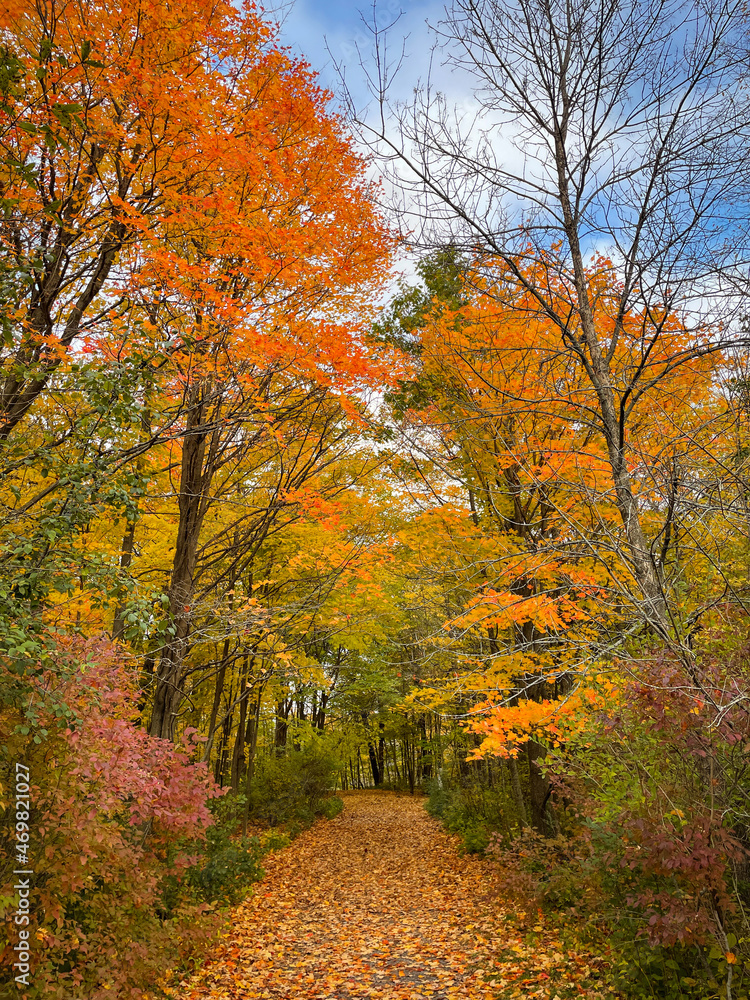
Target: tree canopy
(276,522)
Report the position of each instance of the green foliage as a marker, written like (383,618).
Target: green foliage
(461,814)
(290,789)
(229,863)
(557,874)
(643,972)
(62,475)
(441,288)
(331,807)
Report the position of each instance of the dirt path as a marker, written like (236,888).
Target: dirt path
(379,903)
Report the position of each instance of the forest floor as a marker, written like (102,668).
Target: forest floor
(379,903)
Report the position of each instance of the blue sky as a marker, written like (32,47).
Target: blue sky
(310,25)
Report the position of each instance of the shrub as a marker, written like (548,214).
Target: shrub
(461,814)
(660,857)
(331,807)
(290,789)
(558,874)
(116,819)
(227,864)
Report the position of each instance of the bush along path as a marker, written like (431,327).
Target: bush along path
(379,903)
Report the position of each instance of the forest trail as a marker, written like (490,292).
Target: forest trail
(379,903)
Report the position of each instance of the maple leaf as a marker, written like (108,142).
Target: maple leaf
(406,921)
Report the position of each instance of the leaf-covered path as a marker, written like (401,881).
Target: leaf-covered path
(379,903)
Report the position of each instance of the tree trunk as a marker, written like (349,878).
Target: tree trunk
(425,759)
(515,784)
(598,371)
(281,727)
(372,754)
(395,761)
(226,729)
(409,764)
(218,691)
(251,739)
(238,755)
(539,791)
(374,764)
(321,717)
(194,482)
(126,557)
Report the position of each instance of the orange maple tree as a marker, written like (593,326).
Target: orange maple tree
(154,152)
(180,191)
(505,420)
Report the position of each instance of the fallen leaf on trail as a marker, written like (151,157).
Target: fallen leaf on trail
(410,919)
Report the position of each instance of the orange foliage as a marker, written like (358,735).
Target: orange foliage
(505,729)
(172,158)
(517,424)
(347,931)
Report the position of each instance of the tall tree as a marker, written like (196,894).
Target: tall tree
(522,563)
(181,203)
(630,122)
